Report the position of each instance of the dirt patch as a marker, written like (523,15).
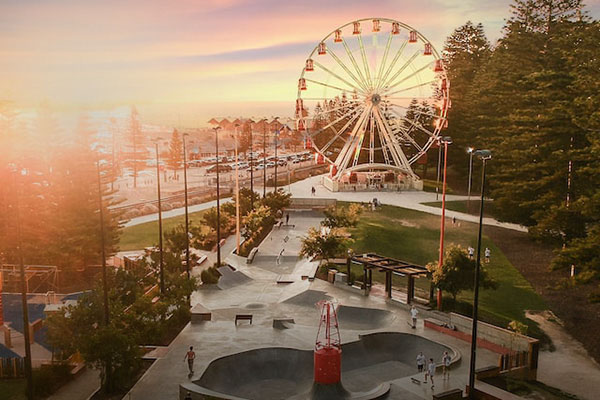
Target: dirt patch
(581,318)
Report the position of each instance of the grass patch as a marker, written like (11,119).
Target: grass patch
(138,237)
(461,206)
(413,236)
(12,389)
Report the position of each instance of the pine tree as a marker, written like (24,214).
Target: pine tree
(137,154)
(175,157)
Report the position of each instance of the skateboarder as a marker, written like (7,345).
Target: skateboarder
(420,361)
(190,356)
(430,371)
(278,261)
(413,314)
(446,365)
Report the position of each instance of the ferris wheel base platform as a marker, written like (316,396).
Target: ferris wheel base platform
(368,182)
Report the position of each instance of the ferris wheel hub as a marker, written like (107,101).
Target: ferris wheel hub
(375,99)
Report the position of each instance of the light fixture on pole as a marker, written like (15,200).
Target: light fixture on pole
(484,156)
(187,220)
(470,151)
(26,330)
(216,129)
(264,122)
(446,140)
(160,231)
(250,162)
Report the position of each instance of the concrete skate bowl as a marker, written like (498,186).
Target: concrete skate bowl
(284,373)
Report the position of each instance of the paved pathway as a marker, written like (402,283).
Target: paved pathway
(81,388)
(302,189)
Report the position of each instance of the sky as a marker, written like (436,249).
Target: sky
(183,61)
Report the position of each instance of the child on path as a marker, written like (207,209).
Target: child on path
(430,371)
(190,356)
(420,361)
(471,251)
(446,365)
(413,313)
(488,253)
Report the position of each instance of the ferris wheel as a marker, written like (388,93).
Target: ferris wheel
(373,95)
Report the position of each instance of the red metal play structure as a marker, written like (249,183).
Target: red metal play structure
(328,347)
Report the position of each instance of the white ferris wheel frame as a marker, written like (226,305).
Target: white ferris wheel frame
(381,80)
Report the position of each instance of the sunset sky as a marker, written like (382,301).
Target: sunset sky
(182,61)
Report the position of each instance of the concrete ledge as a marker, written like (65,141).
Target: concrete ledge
(251,255)
(452,394)
(485,344)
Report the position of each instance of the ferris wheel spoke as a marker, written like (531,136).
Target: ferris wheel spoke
(391,66)
(414,87)
(335,121)
(383,61)
(327,85)
(406,135)
(355,64)
(426,66)
(346,152)
(372,140)
(404,66)
(332,110)
(397,153)
(415,125)
(359,82)
(329,98)
(364,59)
(338,77)
(340,132)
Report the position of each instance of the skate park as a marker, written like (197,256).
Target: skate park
(254,335)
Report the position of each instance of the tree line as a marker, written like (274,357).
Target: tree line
(533,98)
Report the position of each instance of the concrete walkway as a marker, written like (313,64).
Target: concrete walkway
(81,388)
(408,199)
(174,212)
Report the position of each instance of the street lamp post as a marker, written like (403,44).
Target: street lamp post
(26,332)
(187,221)
(276,160)
(264,121)
(160,231)
(484,156)
(103,245)
(446,140)
(470,151)
(437,181)
(216,129)
(251,168)
(237,193)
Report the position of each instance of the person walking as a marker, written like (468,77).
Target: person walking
(287,219)
(313,190)
(487,253)
(413,314)
(420,361)
(471,251)
(190,356)
(430,371)
(446,365)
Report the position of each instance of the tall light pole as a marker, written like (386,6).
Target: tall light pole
(470,151)
(103,245)
(187,220)
(237,193)
(276,159)
(446,140)
(437,181)
(264,121)
(26,332)
(216,129)
(250,123)
(484,156)
(160,230)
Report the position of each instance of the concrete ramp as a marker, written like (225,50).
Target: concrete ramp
(308,298)
(363,318)
(283,323)
(368,365)
(230,278)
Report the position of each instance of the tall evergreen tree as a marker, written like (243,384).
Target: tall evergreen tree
(137,153)
(175,156)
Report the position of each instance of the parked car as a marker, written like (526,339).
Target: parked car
(222,168)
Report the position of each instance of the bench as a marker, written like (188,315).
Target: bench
(243,317)
(452,394)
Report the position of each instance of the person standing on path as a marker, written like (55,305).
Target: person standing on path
(190,356)
(446,365)
(488,253)
(471,251)
(313,190)
(287,219)
(430,371)
(420,361)
(413,314)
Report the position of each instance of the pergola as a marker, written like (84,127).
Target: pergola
(390,266)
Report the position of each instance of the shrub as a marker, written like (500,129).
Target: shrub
(210,276)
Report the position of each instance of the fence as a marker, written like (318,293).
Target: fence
(13,367)
(516,359)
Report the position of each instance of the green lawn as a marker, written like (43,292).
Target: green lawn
(144,235)
(461,206)
(413,236)
(12,389)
